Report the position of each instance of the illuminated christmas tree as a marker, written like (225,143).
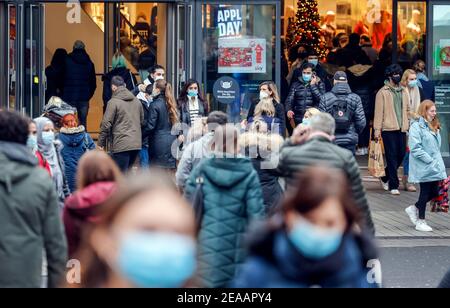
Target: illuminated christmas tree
(305,28)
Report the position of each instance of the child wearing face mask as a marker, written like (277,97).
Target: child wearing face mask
(312,240)
(51,152)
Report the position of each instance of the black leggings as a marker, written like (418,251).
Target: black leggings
(428,191)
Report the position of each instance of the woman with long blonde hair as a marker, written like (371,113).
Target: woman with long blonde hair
(426,164)
(269,92)
(163,115)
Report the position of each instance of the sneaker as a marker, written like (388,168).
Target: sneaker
(385,185)
(413,214)
(423,226)
(395,192)
(366,151)
(410,187)
(360,152)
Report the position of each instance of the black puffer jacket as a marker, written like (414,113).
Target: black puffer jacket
(160,138)
(341,91)
(361,81)
(303,96)
(79,78)
(263,151)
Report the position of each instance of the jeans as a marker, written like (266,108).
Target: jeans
(82,111)
(406,165)
(144,158)
(125,160)
(395,149)
(428,191)
(364,137)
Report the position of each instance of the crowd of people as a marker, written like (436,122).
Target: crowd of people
(175,195)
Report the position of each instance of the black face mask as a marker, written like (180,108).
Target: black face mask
(396,79)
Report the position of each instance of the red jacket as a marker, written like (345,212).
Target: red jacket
(43,163)
(81,209)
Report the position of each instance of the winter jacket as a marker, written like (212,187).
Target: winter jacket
(145,128)
(303,96)
(76,141)
(81,209)
(65,190)
(122,122)
(274,262)
(361,82)
(183,109)
(320,151)
(425,159)
(280,115)
(161,137)
(192,155)
(43,163)
(263,150)
(321,73)
(385,118)
(54,82)
(79,77)
(123,72)
(30,221)
(232,198)
(342,92)
(351,55)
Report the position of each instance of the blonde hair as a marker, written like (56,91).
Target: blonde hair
(406,75)
(435,125)
(272,88)
(310,112)
(265,106)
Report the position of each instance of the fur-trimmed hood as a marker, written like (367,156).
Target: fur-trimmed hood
(72,130)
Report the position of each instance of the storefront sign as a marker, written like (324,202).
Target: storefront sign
(442,98)
(226,90)
(229,22)
(242,56)
(443,57)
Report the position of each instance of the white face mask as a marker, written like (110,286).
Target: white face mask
(263,95)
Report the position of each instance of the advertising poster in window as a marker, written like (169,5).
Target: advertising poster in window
(442,56)
(239,55)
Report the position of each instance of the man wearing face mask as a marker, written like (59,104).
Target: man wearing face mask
(391,123)
(305,92)
(313,59)
(156,73)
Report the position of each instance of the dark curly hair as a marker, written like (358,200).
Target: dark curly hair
(393,69)
(13,127)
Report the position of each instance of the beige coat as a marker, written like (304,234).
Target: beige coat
(385,117)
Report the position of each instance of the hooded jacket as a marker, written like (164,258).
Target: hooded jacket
(231,199)
(123,72)
(30,221)
(79,77)
(75,142)
(122,121)
(341,91)
(81,209)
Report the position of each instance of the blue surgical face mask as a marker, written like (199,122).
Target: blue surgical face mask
(306,122)
(192,93)
(412,83)
(32,142)
(48,137)
(314,242)
(306,77)
(314,61)
(156,259)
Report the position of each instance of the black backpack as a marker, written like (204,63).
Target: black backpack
(342,115)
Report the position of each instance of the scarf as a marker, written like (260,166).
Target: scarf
(397,96)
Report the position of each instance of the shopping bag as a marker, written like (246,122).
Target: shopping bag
(440,203)
(376,160)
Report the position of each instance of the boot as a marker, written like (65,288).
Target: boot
(408,186)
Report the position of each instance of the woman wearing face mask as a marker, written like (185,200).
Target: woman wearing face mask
(162,116)
(410,84)
(309,114)
(312,241)
(426,164)
(51,151)
(268,90)
(391,122)
(304,93)
(191,104)
(33,146)
(145,238)
(265,111)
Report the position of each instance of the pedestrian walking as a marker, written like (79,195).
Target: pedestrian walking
(33,147)
(54,74)
(391,122)
(121,125)
(30,218)
(426,164)
(191,103)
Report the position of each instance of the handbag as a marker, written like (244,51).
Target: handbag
(440,203)
(197,201)
(376,160)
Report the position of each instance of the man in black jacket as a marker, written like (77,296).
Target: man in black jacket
(30,218)
(313,145)
(347,110)
(79,81)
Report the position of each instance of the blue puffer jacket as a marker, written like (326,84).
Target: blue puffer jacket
(274,262)
(75,143)
(425,160)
